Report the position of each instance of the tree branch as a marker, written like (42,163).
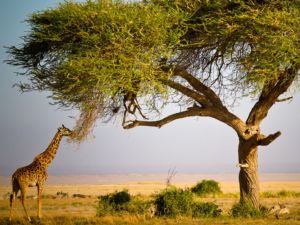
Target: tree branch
(188,92)
(284,99)
(194,111)
(209,94)
(224,116)
(267,140)
(199,86)
(270,95)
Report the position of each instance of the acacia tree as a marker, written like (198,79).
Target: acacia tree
(112,59)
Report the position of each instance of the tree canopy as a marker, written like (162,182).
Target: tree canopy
(110,58)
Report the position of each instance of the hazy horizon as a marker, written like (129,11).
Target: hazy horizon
(155,169)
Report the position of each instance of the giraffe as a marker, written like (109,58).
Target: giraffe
(35,174)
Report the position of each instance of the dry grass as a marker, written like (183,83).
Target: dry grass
(69,218)
(83,211)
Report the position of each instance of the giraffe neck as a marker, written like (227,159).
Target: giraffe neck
(48,155)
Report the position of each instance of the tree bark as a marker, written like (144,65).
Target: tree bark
(249,176)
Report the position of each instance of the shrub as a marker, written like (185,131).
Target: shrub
(206,209)
(117,203)
(174,202)
(171,202)
(207,188)
(245,209)
(119,198)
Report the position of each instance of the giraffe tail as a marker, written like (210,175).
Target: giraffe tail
(12,185)
(12,181)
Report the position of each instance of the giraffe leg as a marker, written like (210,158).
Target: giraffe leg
(23,198)
(16,189)
(39,201)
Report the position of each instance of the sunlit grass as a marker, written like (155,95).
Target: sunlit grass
(83,211)
(70,219)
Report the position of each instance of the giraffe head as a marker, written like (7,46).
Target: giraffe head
(65,131)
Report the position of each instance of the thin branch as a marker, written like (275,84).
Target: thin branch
(188,92)
(284,99)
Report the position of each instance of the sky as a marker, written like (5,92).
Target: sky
(28,123)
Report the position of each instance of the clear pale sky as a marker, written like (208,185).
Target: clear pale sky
(28,124)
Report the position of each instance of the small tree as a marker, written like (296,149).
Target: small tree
(106,58)
(171,174)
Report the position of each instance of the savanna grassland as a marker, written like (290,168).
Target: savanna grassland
(84,211)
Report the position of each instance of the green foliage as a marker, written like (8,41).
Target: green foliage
(171,202)
(260,37)
(96,55)
(100,48)
(119,202)
(205,209)
(245,209)
(91,54)
(207,188)
(174,202)
(118,198)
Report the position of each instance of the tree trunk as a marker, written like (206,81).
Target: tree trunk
(249,177)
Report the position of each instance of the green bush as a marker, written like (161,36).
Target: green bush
(245,209)
(119,202)
(119,198)
(207,188)
(171,202)
(205,209)
(174,202)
